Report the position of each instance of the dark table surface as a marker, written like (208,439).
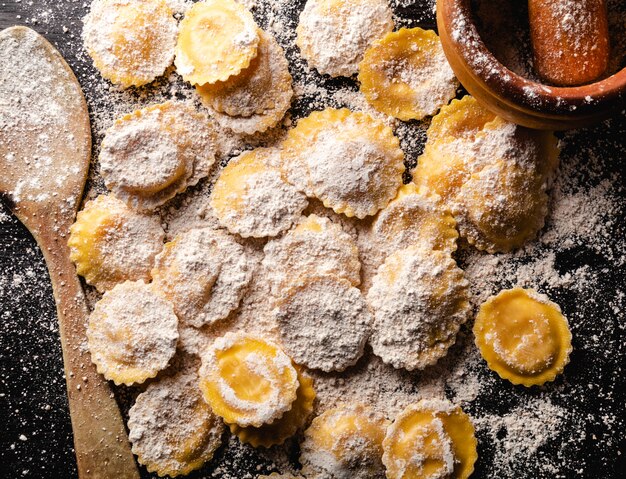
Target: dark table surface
(35,431)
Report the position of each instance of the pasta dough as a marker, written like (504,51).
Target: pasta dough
(333,34)
(217,39)
(110,243)
(150,155)
(204,273)
(264,88)
(247,380)
(132,333)
(413,219)
(286,426)
(345,442)
(491,174)
(430,440)
(172,430)
(251,199)
(406,75)
(323,322)
(130,43)
(419,299)
(350,161)
(523,336)
(315,247)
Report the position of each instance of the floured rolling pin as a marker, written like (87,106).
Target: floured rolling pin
(571,49)
(570,40)
(45,149)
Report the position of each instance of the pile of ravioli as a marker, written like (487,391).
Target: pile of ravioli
(350,255)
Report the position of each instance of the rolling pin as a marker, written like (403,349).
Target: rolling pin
(570,40)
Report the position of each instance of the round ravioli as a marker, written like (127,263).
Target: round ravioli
(251,199)
(501,207)
(110,243)
(414,219)
(333,34)
(150,155)
(280,429)
(171,429)
(419,299)
(432,439)
(132,333)
(345,442)
(323,322)
(204,273)
(491,174)
(130,43)
(217,39)
(247,380)
(315,247)
(406,75)
(451,138)
(261,89)
(523,336)
(350,161)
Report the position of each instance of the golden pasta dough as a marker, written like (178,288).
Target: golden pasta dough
(130,43)
(152,154)
(315,247)
(172,430)
(261,89)
(491,174)
(250,197)
(333,34)
(523,336)
(350,161)
(345,442)
(286,426)
(217,39)
(132,333)
(247,380)
(110,243)
(432,439)
(413,218)
(329,304)
(406,75)
(204,273)
(419,299)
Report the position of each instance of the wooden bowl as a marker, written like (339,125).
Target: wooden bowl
(512,96)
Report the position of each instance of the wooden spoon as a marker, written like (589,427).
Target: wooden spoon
(570,40)
(45,149)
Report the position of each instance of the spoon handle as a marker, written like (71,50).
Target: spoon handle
(100,439)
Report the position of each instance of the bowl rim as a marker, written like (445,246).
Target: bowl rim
(532,96)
